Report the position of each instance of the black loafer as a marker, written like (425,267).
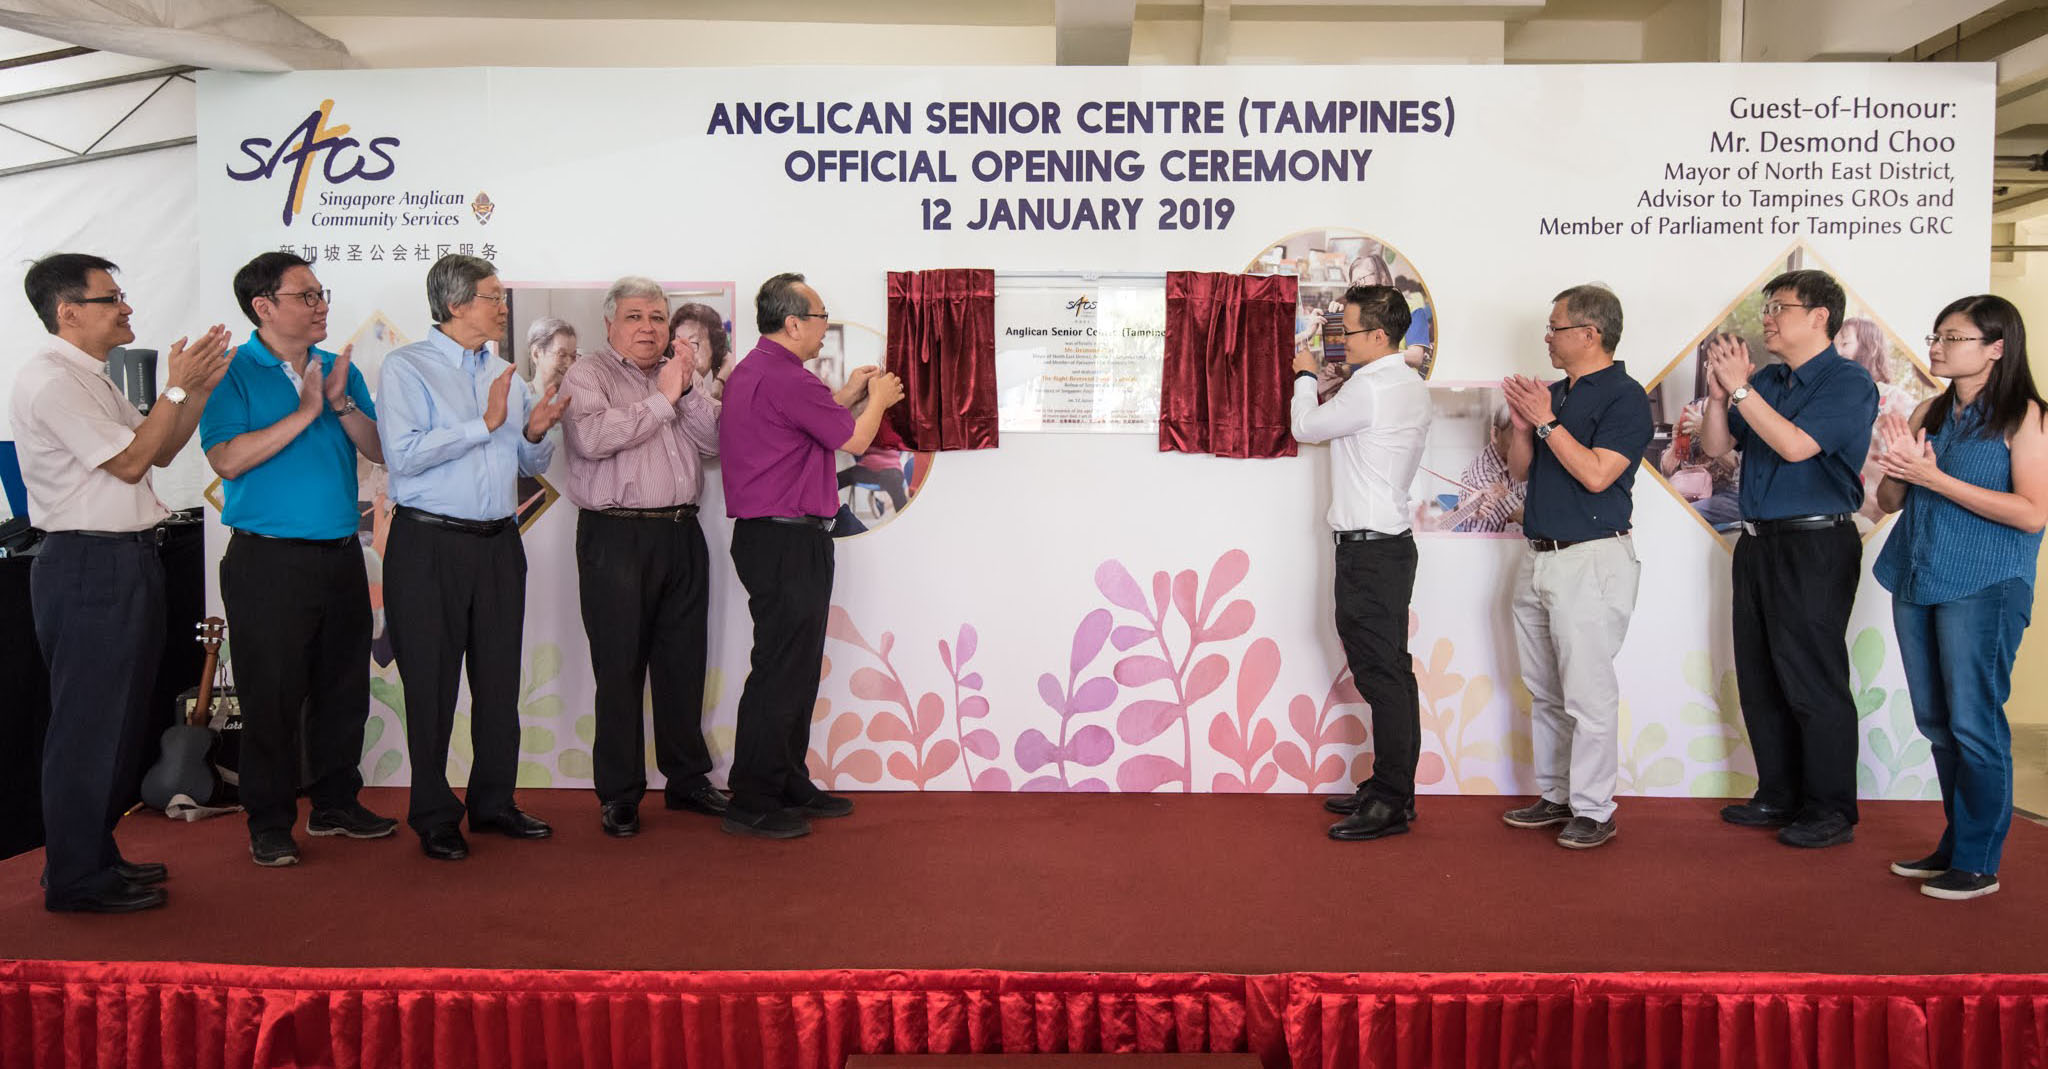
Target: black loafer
(621,820)
(444,844)
(781,824)
(1755,814)
(142,873)
(513,823)
(703,798)
(1376,819)
(128,898)
(1814,833)
(820,804)
(1346,804)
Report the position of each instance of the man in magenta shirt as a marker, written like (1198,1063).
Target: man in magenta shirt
(777,439)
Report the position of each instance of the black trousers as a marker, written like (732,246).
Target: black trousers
(1793,592)
(452,598)
(99,609)
(299,617)
(787,571)
(645,589)
(1375,582)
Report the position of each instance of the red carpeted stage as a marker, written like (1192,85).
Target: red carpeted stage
(956,923)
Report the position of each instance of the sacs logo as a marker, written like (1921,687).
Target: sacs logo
(347,157)
(1082,307)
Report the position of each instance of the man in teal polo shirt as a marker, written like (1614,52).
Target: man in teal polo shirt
(283,430)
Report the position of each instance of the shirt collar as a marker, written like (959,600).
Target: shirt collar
(260,353)
(1378,367)
(450,349)
(613,354)
(1809,373)
(769,345)
(76,357)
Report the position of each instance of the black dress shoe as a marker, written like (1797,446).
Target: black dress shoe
(1813,833)
(1755,814)
(703,798)
(780,824)
(1346,804)
(127,898)
(1376,819)
(142,873)
(621,820)
(513,822)
(820,804)
(444,844)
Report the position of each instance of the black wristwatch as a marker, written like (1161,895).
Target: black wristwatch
(1544,431)
(1309,375)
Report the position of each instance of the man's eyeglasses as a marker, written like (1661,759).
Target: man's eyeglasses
(1777,308)
(813,315)
(116,297)
(313,298)
(501,298)
(1553,329)
(1362,330)
(1945,340)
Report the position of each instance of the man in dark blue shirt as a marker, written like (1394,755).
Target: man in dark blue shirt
(1578,442)
(1803,427)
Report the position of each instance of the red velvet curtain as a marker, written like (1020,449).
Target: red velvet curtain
(942,344)
(92,1014)
(1229,362)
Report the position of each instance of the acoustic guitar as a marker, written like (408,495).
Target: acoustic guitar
(186,764)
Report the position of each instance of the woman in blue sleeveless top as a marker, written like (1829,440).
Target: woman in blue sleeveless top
(1969,472)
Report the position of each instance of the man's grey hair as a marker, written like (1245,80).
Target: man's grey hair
(451,283)
(777,301)
(1596,306)
(545,330)
(633,286)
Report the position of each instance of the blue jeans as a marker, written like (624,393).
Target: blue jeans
(1958,658)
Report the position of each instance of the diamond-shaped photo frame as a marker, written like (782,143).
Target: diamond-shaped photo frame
(1709,486)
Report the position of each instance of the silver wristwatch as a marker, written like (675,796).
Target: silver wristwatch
(175,395)
(348,405)
(1738,395)
(1543,431)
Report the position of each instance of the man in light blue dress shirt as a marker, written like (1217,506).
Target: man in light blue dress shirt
(458,430)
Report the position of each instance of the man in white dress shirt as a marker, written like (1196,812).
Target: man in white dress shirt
(1375,425)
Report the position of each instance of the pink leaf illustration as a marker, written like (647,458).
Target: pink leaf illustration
(1090,786)
(943,753)
(1138,671)
(1184,585)
(863,766)
(1255,674)
(1345,691)
(1161,590)
(1093,696)
(992,779)
(1301,716)
(1088,640)
(1330,771)
(888,727)
(839,625)
(1227,783)
(1230,570)
(1141,722)
(968,641)
(1430,769)
(1034,750)
(972,681)
(1348,731)
(844,730)
(1208,674)
(1262,739)
(983,744)
(903,768)
(946,655)
(1117,585)
(973,708)
(1050,692)
(888,642)
(1288,756)
(931,713)
(1223,738)
(1235,620)
(1264,780)
(876,687)
(1147,772)
(1124,638)
(1043,784)
(1092,745)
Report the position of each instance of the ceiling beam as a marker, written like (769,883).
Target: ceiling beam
(1093,33)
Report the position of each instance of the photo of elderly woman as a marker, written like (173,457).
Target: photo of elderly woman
(1463,486)
(1328,262)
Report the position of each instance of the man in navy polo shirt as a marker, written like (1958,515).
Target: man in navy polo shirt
(1803,427)
(1577,441)
(283,430)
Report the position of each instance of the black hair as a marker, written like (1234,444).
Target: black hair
(60,277)
(2010,388)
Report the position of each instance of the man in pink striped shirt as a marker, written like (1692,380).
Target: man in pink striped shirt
(638,429)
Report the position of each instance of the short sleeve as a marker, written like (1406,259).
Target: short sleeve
(67,414)
(1625,426)
(809,407)
(226,415)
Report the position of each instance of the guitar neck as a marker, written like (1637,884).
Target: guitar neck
(210,631)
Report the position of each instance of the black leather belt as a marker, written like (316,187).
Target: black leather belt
(1794,523)
(323,543)
(819,523)
(456,523)
(1363,535)
(1551,545)
(149,536)
(673,514)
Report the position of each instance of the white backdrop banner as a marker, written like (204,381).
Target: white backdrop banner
(1079,611)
